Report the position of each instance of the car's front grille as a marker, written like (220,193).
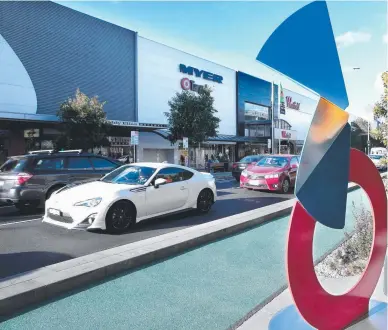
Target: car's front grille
(260,186)
(65,219)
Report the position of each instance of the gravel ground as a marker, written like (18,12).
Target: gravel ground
(331,266)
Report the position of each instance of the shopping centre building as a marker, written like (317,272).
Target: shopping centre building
(47,51)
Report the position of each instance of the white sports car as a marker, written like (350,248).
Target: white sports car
(130,194)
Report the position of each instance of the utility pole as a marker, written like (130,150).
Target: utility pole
(272,119)
(368,138)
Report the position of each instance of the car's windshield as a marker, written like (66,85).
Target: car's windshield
(273,162)
(130,175)
(250,159)
(375,157)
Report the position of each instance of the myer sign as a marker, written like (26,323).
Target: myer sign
(200,73)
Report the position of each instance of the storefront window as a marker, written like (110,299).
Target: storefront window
(259,131)
(251,149)
(255,112)
(215,153)
(282,124)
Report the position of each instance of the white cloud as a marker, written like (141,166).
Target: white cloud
(385,38)
(379,84)
(351,38)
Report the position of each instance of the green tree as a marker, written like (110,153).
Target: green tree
(84,123)
(359,135)
(192,115)
(380,112)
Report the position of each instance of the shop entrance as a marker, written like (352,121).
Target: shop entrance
(286,147)
(249,149)
(158,155)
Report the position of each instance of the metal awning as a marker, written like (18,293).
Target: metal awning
(219,139)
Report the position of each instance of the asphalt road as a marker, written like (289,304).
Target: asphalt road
(26,243)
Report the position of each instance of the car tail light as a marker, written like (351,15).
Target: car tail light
(23,178)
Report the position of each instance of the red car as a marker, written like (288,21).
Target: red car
(273,172)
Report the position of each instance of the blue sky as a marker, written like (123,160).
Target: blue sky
(232,33)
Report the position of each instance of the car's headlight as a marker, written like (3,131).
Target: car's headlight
(272,176)
(89,202)
(244,173)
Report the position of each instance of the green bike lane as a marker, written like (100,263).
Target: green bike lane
(210,287)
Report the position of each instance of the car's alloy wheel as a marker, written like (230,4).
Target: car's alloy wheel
(285,186)
(120,217)
(205,201)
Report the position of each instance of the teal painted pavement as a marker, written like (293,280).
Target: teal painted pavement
(211,287)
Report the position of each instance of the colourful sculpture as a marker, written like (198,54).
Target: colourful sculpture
(326,154)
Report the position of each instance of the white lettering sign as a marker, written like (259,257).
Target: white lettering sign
(136,124)
(185,143)
(118,141)
(134,138)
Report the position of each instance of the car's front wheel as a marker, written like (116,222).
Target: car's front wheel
(120,217)
(285,188)
(205,201)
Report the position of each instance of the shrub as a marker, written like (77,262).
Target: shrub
(359,245)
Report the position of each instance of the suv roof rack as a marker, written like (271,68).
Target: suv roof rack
(72,151)
(41,152)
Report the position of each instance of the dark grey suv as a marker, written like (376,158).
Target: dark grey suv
(27,181)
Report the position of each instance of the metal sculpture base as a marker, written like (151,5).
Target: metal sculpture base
(290,318)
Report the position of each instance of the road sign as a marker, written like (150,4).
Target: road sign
(31,133)
(134,138)
(185,143)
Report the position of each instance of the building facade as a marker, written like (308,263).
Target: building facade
(47,51)
(164,71)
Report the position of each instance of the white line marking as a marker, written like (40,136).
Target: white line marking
(13,223)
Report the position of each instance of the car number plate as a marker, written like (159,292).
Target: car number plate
(257,183)
(54,212)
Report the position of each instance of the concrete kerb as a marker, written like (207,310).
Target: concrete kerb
(20,291)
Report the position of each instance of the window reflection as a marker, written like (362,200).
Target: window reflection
(255,112)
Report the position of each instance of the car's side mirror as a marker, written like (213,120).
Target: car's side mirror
(159,182)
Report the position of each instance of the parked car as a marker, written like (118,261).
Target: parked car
(380,161)
(238,167)
(28,181)
(274,173)
(130,194)
(126,159)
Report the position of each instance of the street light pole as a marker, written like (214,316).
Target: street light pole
(368,143)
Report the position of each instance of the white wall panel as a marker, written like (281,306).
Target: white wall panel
(299,120)
(159,79)
(17,94)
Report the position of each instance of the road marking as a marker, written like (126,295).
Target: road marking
(13,223)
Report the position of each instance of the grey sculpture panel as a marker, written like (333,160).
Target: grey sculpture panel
(62,50)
